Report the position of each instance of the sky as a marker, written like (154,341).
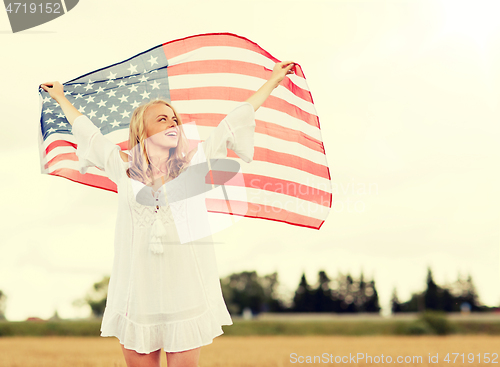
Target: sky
(407,94)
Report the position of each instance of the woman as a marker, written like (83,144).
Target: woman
(162,296)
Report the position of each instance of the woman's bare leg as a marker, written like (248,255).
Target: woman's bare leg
(134,359)
(187,358)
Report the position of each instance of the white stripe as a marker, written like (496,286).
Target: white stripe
(74,165)
(116,136)
(289,203)
(263,113)
(227,80)
(286,173)
(233,54)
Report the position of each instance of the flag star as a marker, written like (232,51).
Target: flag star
(92,113)
(47,99)
(113,108)
(152,60)
(66,92)
(103,118)
(111,93)
(122,83)
(89,86)
(90,99)
(62,124)
(102,103)
(51,130)
(153,71)
(145,95)
(101,89)
(48,110)
(79,95)
(115,123)
(123,98)
(125,114)
(61,116)
(133,88)
(132,69)
(82,109)
(49,121)
(77,85)
(111,77)
(156,85)
(144,78)
(135,104)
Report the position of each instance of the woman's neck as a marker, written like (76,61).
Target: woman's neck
(158,158)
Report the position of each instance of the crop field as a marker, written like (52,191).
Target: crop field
(266,351)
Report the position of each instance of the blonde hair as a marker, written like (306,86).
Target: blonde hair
(140,167)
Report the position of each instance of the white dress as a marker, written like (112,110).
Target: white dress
(172,298)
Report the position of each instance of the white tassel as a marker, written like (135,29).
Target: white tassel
(159,228)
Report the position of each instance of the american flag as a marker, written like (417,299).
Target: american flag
(205,77)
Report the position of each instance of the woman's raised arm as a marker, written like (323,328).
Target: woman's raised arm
(56,91)
(280,70)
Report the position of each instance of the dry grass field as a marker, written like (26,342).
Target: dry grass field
(262,351)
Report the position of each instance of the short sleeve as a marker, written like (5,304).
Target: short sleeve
(236,132)
(95,150)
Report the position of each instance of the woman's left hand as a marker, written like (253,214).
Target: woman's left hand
(281,69)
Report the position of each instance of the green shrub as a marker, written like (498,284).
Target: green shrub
(437,321)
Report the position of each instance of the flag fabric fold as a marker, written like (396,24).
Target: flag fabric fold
(205,77)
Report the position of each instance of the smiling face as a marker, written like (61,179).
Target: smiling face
(161,126)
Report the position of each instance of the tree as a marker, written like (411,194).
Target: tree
(272,301)
(248,290)
(303,300)
(371,304)
(96,298)
(322,295)
(3,305)
(395,305)
(432,294)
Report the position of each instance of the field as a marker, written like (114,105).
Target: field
(262,351)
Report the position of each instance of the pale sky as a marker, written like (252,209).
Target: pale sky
(407,94)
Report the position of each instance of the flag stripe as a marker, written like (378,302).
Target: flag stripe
(226,67)
(238,94)
(270,213)
(262,127)
(215,54)
(209,106)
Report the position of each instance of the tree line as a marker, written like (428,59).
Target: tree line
(344,294)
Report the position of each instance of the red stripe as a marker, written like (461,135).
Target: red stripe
(289,160)
(285,159)
(234,67)
(238,95)
(99,182)
(272,184)
(67,156)
(264,212)
(180,46)
(262,127)
(58,143)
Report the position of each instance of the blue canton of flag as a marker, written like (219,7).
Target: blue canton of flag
(109,96)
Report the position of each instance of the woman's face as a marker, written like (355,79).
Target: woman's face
(161,126)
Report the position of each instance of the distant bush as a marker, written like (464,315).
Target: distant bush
(438,322)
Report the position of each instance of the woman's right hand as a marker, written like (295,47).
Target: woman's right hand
(55,90)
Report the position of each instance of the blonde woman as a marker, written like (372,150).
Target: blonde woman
(162,296)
